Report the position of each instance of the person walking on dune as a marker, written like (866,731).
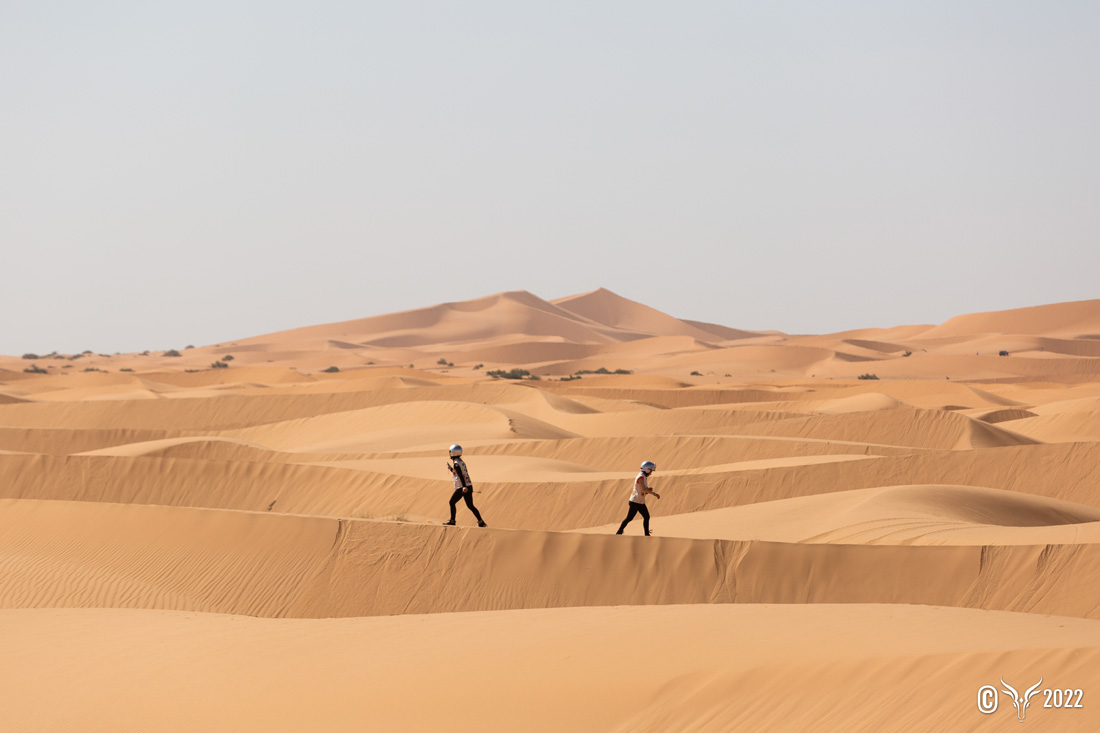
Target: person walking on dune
(464,487)
(637,497)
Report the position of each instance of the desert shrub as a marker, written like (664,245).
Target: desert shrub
(92,369)
(1002,352)
(603,370)
(570,378)
(868,375)
(478,366)
(442,361)
(331,370)
(126,369)
(145,353)
(908,353)
(511,374)
(74,357)
(227,357)
(219,365)
(189,346)
(696,374)
(35,369)
(172,352)
(56,356)
(86,352)
(31,356)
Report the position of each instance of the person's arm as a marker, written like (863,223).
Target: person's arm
(647,490)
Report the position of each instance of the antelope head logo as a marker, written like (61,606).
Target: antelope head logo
(1021,701)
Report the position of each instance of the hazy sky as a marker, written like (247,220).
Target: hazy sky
(194,172)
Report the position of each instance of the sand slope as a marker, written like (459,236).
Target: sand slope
(700,668)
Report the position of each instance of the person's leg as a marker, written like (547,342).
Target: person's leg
(469,497)
(645,518)
(629,516)
(454,500)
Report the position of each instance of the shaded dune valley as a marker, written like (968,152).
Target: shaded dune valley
(874,530)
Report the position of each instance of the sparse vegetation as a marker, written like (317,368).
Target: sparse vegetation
(603,370)
(478,366)
(1002,352)
(511,374)
(331,370)
(31,356)
(908,353)
(227,357)
(35,369)
(868,375)
(442,361)
(86,352)
(74,357)
(219,365)
(189,346)
(570,378)
(172,352)
(696,374)
(126,369)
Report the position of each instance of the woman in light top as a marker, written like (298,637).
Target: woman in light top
(637,497)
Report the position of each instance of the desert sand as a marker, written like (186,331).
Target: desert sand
(857,531)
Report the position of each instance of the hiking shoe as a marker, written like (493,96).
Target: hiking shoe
(482,524)
(449,524)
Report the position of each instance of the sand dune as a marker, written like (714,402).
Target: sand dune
(603,306)
(1060,319)
(902,515)
(91,555)
(703,668)
(266,536)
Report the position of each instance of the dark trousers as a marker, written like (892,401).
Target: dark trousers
(636,508)
(468,495)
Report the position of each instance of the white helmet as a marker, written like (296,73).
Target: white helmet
(456,450)
(649,466)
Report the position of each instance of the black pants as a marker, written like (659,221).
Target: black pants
(636,508)
(468,495)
